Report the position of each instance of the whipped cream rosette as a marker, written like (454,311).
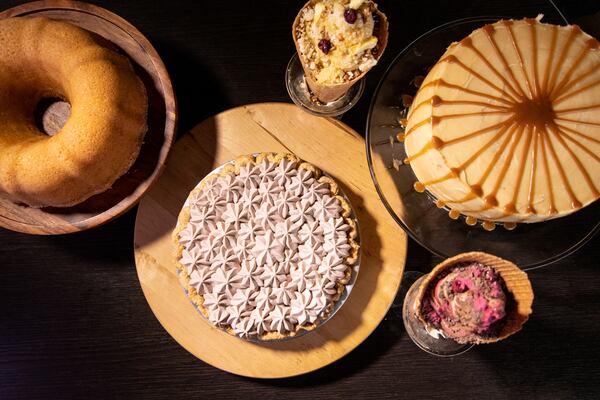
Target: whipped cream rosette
(338,42)
(475,298)
(266,246)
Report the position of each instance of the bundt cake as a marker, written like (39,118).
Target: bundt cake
(505,126)
(42,58)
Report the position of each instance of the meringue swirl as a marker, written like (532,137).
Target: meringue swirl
(264,247)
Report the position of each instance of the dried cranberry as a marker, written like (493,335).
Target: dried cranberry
(324,45)
(350,16)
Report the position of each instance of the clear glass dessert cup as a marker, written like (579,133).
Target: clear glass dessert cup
(302,96)
(337,305)
(426,338)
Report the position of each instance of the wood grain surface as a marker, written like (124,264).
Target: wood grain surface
(325,143)
(74,322)
(162,119)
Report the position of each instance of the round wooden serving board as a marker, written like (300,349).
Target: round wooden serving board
(272,127)
(162,118)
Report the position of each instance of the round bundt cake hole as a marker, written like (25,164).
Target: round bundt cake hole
(51,115)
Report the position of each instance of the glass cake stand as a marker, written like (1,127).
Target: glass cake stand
(528,245)
(347,288)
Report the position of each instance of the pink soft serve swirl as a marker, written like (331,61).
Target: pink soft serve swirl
(467,301)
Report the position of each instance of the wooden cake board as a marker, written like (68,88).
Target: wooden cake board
(331,146)
(162,119)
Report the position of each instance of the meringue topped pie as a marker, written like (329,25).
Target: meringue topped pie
(265,247)
(505,126)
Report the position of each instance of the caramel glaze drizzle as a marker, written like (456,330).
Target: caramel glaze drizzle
(532,118)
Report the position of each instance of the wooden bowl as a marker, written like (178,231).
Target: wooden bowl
(162,119)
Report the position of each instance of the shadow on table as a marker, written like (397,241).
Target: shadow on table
(548,345)
(198,92)
(382,340)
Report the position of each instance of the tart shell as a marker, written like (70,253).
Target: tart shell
(234,167)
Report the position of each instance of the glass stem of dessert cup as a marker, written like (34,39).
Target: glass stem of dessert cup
(433,342)
(301,95)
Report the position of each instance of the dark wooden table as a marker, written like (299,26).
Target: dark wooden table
(74,322)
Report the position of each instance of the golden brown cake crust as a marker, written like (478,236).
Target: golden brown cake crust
(43,58)
(234,167)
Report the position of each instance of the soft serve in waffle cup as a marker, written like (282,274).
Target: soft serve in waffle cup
(474,298)
(338,42)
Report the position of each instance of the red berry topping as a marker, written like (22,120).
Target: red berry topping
(325,45)
(350,16)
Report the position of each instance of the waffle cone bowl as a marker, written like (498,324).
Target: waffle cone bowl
(330,92)
(518,291)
